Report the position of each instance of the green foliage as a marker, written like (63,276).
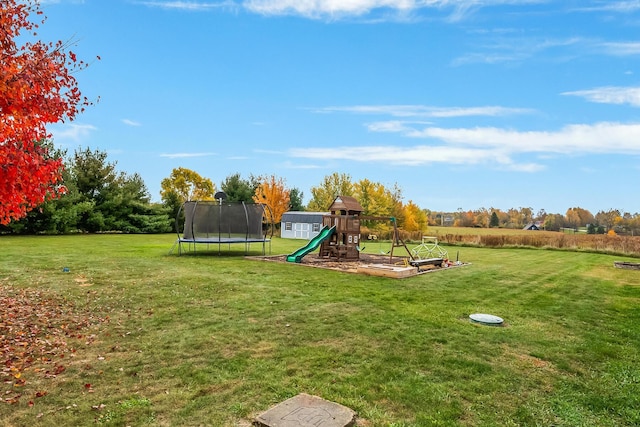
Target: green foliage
(554,222)
(332,186)
(238,189)
(495,221)
(296,200)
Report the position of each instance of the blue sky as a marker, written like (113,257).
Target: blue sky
(462,103)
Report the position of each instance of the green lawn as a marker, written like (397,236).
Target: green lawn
(133,336)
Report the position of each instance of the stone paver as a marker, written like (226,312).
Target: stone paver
(305,410)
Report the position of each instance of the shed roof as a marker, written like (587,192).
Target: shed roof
(303,217)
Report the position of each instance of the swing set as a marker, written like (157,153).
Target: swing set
(396,241)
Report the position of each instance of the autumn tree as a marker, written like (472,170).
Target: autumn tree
(481,217)
(376,200)
(526,215)
(609,218)
(554,222)
(37,88)
(374,197)
(464,219)
(272,192)
(186,185)
(415,219)
(334,185)
(578,217)
(397,205)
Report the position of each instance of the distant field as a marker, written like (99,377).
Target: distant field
(499,237)
(442,231)
(111,330)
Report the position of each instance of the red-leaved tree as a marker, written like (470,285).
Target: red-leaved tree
(36,88)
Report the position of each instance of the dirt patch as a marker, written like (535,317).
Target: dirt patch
(351,266)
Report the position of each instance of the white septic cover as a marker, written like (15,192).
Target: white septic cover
(488,319)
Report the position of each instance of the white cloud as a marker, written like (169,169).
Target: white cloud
(72,132)
(621,48)
(189,5)
(341,8)
(186,155)
(610,95)
(500,147)
(516,49)
(131,123)
(605,137)
(395,126)
(624,6)
(426,111)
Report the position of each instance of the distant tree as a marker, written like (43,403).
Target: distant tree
(526,216)
(464,219)
(579,217)
(503,217)
(608,218)
(37,88)
(295,200)
(238,189)
(494,221)
(272,192)
(515,219)
(332,186)
(540,216)
(481,217)
(185,184)
(554,222)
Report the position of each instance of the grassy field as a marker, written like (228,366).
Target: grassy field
(130,335)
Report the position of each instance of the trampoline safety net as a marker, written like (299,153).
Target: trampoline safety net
(212,222)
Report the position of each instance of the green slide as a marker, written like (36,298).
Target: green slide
(312,245)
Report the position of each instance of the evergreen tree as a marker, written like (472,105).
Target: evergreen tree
(494,221)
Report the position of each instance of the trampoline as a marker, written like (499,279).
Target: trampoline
(220,223)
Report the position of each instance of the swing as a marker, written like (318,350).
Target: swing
(380,249)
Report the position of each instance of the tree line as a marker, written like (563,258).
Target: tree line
(611,221)
(99,198)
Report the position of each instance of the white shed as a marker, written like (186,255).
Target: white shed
(301,225)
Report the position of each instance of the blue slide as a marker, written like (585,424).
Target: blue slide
(313,244)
